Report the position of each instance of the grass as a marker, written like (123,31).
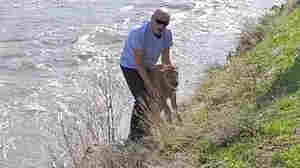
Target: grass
(246,113)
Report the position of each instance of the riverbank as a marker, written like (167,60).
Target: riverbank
(246,113)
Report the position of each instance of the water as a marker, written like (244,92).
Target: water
(52,50)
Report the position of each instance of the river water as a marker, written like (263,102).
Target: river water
(53,51)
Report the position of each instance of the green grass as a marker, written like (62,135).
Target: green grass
(249,114)
(292,157)
(287,119)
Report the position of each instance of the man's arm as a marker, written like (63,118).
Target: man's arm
(165,59)
(140,67)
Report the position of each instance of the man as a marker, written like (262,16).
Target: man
(140,54)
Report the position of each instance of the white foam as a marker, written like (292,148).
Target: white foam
(35,107)
(55,83)
(126,8)
(83,39)
(178,17)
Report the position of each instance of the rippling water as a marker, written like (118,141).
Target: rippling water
(53,53)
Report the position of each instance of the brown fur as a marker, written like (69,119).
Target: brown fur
(291,5)
(166,81)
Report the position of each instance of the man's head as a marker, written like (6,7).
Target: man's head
(160,20)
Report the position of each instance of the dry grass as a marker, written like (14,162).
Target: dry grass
(90,139)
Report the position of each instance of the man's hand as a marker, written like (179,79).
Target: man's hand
(168,67)
(139,61)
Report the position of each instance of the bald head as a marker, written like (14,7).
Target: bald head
(161,13)
(160,20)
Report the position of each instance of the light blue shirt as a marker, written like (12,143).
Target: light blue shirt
(143,38)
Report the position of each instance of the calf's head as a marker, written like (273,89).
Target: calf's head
(170,76)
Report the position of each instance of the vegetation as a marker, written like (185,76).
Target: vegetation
(245,113)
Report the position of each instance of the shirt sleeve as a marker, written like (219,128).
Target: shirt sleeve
(168,42)
(136,40)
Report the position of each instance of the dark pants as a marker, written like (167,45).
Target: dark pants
(140,124)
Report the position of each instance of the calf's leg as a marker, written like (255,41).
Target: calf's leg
(174,106)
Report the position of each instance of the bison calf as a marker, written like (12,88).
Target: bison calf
(165,79)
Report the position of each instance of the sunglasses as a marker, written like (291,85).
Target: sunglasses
(162,22)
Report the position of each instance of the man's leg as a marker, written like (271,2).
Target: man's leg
(140,124)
